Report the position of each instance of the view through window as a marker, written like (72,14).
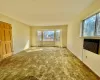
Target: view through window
(98,25)
(48,35)
(91,26)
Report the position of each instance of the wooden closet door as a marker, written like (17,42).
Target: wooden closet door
(1,29)
(6,39)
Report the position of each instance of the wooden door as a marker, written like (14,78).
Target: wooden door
(5,40)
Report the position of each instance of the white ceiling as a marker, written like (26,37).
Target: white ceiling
(43,12)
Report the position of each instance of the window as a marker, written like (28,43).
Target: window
(91,26)
(39,35)
(48,35)
(57,35)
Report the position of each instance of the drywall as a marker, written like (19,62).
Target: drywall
(20,34)
(63,29)
(75,42)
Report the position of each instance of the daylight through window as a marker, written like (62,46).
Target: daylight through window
(91,26)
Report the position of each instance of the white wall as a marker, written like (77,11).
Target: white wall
(75,42)
(20,32)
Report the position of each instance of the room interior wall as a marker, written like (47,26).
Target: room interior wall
(20,34)
(75,42)
(62,27)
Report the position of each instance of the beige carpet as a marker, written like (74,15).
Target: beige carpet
(44,63)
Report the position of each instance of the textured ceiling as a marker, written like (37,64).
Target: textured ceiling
(43,12)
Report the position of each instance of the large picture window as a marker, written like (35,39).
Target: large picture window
(91,26)
(48,35)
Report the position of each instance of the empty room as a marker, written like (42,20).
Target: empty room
(49,39)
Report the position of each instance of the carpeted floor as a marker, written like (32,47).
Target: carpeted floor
(44,63)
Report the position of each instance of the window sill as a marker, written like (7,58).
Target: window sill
(90,37)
